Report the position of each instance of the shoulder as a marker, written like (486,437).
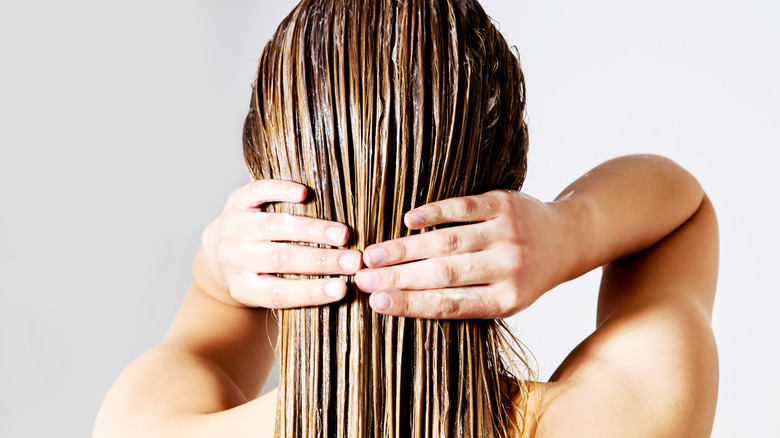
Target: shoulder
(650,375)
(651,366)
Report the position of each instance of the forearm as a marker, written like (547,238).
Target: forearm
(648,221)
(624,206)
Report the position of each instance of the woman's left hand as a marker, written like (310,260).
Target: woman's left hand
(512,250)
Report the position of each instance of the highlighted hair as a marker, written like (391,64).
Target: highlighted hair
(379,107)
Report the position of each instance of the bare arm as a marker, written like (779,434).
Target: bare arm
(203,379)
(624,206)
(650,368)
(515,248)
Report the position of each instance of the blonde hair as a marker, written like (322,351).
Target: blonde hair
(378,107)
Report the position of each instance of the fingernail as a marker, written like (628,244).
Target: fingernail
(350,262)
(380,302)
(414,219)
(375,255)
(334,289)
(366,280)
(336,234)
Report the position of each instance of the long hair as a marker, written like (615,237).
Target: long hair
(379,107)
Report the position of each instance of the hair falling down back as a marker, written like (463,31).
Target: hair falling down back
(379,107)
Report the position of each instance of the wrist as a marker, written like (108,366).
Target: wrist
(204,279)
(578,240)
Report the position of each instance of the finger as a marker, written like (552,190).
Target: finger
(436,273)
(287,258)
(253,195)
(449,241)
(474,208)
(282,293)
(456,303)
(286,227)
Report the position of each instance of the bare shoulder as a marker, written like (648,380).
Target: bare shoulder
(651,367)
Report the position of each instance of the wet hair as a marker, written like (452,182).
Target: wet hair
(379,107)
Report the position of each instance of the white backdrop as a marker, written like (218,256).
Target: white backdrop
(120,138)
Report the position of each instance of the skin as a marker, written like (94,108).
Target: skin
(649,369)
(239,251)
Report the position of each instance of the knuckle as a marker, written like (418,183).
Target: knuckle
(395,251)
(432,211)
(279,254)
(482,238)
(448,307)
(449,241)
(315,293)
(514,259)
(405,309)
(473,264)
(443,274)
(275,297)
(401,251)
(498,201)
(504,207)
(466,206)
(390,277)
(329,260)
(502,201)
(502,195)
(267,223)
(403,305)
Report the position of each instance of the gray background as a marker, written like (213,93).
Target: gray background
(120,139)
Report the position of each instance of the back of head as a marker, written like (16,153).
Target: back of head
(379,107)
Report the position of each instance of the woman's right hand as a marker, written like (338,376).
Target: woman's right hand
(243,247)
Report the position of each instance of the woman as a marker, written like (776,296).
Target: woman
(388,107)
